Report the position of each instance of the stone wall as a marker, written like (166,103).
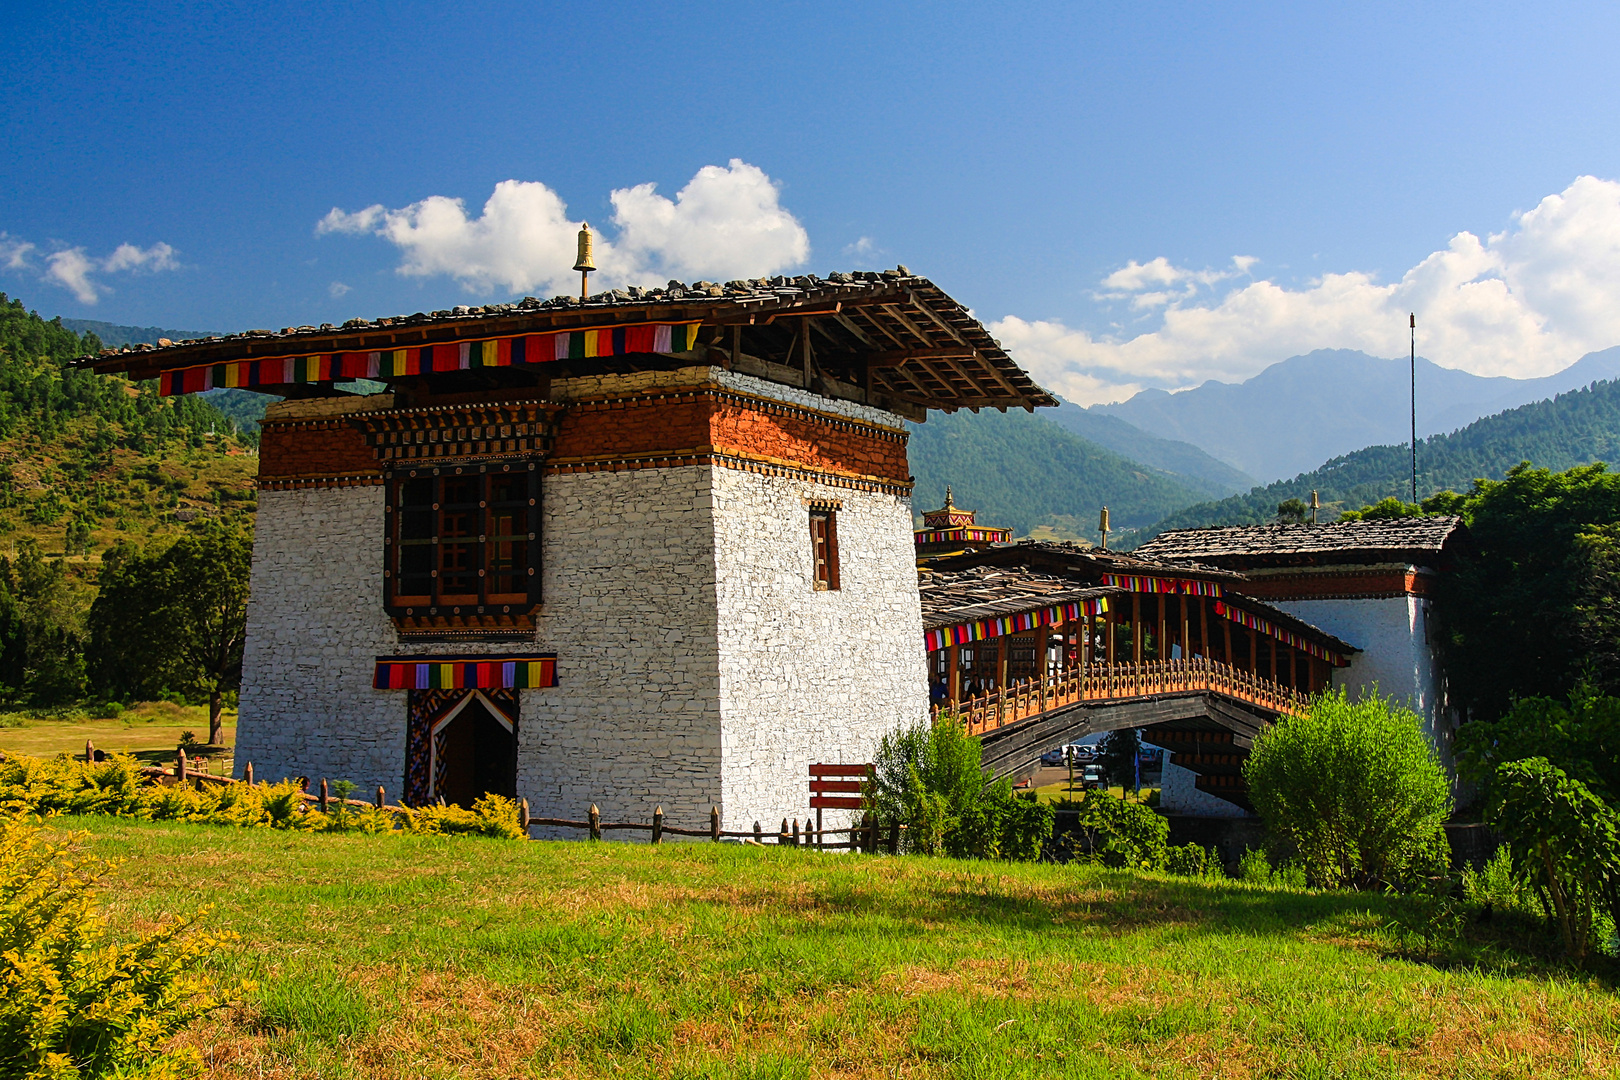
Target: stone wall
(808,676)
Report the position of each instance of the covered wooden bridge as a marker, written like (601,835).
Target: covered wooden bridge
(1035,644)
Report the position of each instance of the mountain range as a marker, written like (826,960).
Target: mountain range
(1305,410)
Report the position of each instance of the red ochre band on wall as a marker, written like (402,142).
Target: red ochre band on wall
(466,673)
(455,356)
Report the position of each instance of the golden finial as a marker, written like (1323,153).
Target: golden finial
(584,264)
(949,505)
(1102,527)
(1316,504)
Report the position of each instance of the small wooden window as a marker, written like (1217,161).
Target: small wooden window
(463,537)
(824,548)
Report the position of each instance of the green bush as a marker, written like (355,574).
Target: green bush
(1565,845)
(1190,860)
(930,777)
(75,1003)
(1355,788)
(1257,869)
(1121,834)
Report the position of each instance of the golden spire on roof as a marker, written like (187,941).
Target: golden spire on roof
(584,264)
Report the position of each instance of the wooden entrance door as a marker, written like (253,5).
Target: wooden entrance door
(479,748)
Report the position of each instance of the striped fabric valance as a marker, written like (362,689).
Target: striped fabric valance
(1002,626)
(454,356)
(1287,637)
(946,536)
(1176,586)
(465,672)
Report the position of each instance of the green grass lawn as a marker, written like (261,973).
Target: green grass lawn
(400,956)
(149,731)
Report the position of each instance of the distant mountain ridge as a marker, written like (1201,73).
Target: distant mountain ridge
(1575,428)
(115,335)
(1307,409)
(1182,458)
(1024,472)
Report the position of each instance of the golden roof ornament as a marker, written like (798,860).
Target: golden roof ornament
(584,263)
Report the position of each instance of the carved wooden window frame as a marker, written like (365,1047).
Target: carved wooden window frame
(453,512)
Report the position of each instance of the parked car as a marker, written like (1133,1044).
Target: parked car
(1080,753)
(1053,757)
(1092,776)
(1150,755)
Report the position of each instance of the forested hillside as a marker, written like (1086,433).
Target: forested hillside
(86,460)
(1026,473)
(1571,429)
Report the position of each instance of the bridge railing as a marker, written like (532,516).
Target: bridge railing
(1118,682)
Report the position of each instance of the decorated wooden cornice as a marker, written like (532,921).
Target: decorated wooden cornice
(438,432)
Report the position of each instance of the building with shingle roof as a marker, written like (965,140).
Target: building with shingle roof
(648,547)
(1371,582)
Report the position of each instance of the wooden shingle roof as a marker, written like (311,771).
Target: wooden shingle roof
(892,339)
(1418,539)
(986,592)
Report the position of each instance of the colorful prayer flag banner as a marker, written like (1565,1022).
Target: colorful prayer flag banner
(1002,626)
(1176,586)
(948,536)
(1287,637)
(430,359)
(465,672)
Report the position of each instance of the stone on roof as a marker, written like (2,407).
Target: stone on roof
(984,592)
(1378,539)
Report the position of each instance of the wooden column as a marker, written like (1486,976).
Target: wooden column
(1203,626)
(1001,661)
(953,673)
(1160,651)
(1226,642)
(1110,619)
(1136,628)
(1186,627)
(1272,656)
(1254,651)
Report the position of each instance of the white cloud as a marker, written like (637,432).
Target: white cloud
(1524,302)
(14,252)
(865,247)
(727,222)
(71,268)
(337,289)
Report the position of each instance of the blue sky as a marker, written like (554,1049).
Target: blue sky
(1034,160)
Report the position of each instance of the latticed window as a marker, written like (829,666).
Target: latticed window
(824,547)
(463,538)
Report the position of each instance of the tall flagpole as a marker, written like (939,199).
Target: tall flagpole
(1414,405)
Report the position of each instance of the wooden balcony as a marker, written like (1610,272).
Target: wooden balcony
(1103,683)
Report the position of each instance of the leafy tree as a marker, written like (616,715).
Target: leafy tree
(1565,843)
(174,619)
(1118,755)
(1597,610)
(1383,510)
(1292,511)
(1356,788)
(1582,737)
(930,778)
(46,632)
(1512,605)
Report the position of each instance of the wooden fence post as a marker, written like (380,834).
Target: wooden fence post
(658,825)
(180,765)
(323,795)
(796,832)
(782,837)
(247,773)
(759,834)
(870,838)
(596,822)
(523,817)
(714,823)
(89,751)
(380,797)
(894,838)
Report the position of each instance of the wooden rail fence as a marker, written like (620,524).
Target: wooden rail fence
(1118,682)
(863,836)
